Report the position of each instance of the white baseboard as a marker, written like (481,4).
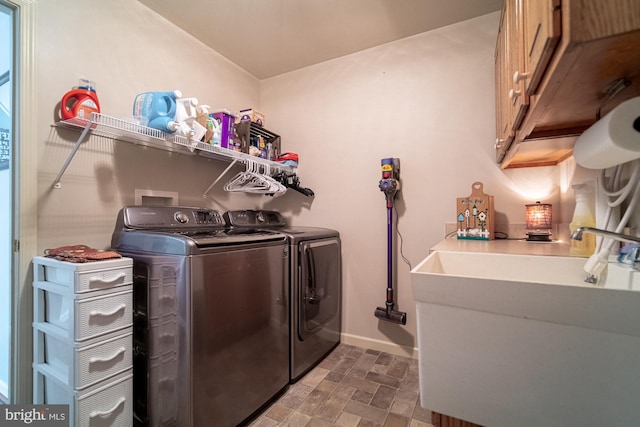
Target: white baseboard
(386,346)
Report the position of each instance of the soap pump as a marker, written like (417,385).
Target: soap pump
(582,217)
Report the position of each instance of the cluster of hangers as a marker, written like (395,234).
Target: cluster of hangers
(256,178)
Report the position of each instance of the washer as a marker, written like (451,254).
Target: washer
(315,283)
(211,316)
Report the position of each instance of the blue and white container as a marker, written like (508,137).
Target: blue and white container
(158,107)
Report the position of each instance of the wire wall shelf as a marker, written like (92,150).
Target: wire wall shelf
(122,130)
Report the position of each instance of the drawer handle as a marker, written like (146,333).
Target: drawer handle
(104,414)
(102,281)
(107,359)
(110,313)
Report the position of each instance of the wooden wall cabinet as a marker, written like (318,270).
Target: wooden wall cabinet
(560,65)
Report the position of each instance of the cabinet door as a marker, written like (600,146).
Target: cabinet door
(504,135)
(511,100)
(541,30)
(519,101)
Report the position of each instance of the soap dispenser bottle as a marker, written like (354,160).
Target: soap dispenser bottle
(582,217)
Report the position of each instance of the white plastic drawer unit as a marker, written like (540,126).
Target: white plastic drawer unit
(84,277)
(110,406)
(83,339)
(82,318)
(109,403)
(81,366)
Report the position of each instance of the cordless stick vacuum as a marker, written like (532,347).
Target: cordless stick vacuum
(390,185)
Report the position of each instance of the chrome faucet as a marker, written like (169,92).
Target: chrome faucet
(577,235)
(633,255)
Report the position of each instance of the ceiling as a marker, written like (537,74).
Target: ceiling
(271,37)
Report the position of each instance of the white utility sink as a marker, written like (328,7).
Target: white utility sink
(518,340)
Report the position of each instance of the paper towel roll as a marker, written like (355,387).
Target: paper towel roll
(612,140)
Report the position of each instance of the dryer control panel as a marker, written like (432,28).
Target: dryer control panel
(254,219)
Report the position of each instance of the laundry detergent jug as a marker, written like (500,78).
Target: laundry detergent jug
(164,123)
(155,105)
(78,104)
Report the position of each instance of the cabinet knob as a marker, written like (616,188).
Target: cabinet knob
(498,143)
(517,76)
(513,94)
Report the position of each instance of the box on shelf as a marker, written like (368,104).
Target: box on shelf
(246,131)
(226,121)
(252,115)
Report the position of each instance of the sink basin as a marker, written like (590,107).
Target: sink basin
(552,270)
(523,340)
(547,288)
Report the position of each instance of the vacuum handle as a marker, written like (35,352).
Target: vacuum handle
(389,253)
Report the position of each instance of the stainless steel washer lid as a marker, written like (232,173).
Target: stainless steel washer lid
(180,231)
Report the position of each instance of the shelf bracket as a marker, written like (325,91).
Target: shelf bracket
(204,195)
(85,131)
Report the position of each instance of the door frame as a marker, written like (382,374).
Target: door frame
(24,168)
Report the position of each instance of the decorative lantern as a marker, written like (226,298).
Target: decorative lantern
(538,221)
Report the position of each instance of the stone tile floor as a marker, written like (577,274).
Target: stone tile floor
(352,386)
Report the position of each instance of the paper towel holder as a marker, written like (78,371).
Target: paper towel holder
(614,88)
(612,140)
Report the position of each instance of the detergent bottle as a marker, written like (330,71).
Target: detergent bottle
(582,217)
(78,104)
(186,114)
(186,109)
(164,123)
(206,119)
(217,131)
(157,107)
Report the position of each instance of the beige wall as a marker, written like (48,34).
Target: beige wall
(126,49)
(428,100)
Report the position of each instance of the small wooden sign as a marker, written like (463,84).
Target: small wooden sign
(475,215)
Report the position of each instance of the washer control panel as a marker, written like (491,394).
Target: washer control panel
(171,217)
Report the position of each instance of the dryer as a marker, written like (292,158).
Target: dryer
(315,285)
